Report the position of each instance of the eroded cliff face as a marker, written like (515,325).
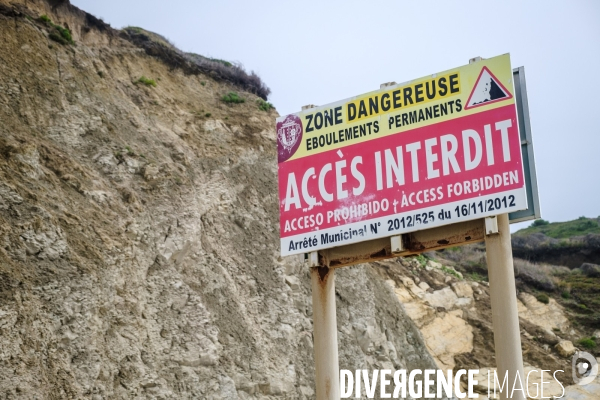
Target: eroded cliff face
(139,233)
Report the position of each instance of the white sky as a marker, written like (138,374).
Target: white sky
(318,52)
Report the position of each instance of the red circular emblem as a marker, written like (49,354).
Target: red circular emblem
(289,136)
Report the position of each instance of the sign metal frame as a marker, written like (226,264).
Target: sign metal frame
(533,210)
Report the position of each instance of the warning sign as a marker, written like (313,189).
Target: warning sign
(433,151)
(487,89)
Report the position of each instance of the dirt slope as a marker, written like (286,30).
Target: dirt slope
(138,233)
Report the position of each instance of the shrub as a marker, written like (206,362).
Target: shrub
(207,115)
(147,81)
(540,222)
(264,105)
(576,271)
(588,343)
(566,295)
(591,270)
(64,33)
(57,38)
(60,34)
(543,298)
(232,97)
(153,37)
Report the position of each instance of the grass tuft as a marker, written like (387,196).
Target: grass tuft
(588,343)
(543,298)
(452,272)
(147,81)
(218,60)
(135,29)
(476,277)
(264,105)
(421,259)
(232,98)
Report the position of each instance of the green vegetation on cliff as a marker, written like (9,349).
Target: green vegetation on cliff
(563,230)
(58,33)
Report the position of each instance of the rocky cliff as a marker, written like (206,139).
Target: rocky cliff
(139,234)
(569,243)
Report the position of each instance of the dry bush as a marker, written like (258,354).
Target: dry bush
(471,261)
(231,72)
(158,46)
(540,276)
(532,241)
(591,270)
(468,259)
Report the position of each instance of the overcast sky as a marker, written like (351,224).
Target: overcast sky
(318,52)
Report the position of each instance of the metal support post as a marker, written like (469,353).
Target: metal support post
(505,318)
(325,333)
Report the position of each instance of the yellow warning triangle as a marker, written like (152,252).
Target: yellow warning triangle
(488,89)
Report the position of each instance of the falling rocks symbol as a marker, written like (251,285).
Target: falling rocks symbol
(488,89)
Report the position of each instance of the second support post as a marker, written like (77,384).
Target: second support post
(325,333)
(505,317)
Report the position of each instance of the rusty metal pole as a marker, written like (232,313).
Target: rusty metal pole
(327,366)
(325,333)
(503,296)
